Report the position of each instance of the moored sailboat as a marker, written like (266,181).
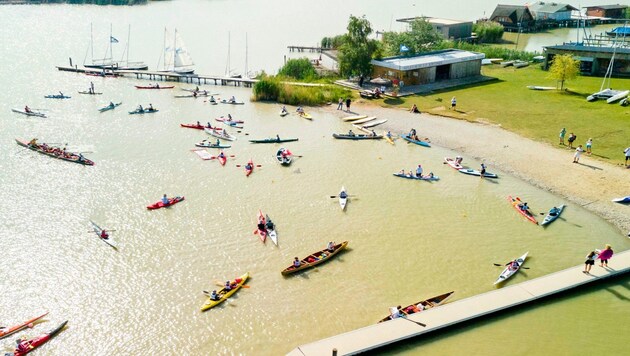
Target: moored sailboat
(176,56)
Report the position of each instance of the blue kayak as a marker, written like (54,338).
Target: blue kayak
(417,142)
(56,96)
(624,200)
(552,216)
(408,176)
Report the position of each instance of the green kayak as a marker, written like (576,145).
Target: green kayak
(273,140)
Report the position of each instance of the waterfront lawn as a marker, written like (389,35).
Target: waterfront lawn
(539,114)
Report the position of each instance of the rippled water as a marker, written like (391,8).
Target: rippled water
(408,240)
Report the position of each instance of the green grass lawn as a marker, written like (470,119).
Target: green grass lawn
(539,114)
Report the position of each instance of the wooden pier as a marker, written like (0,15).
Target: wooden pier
(305,48)
(379,335)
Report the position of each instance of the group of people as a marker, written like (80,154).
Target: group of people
(401,313)
(60,152)
(348,101)
(310,259)
(578,150)
(418,173)
(141,109)
(603,255)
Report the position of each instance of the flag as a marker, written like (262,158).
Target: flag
(113,39)
(404,48)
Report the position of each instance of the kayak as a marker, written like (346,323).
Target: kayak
(227,121)
(11,329)
(286,160)
(223,294)
(315,258)
(421,305)
(408,176)
(109,107)
(515,203)
(232,102)
(198,94)
(364,120)
(224,135)
(474,172)
(451,162)
(32,113)
(510,270)
(306,115)
(222,159)
(284,113)
(368,131)
(551,218)
(211,145)
(271,230)
(159,204)
(388,138)
(417,142)
(374,123)
(38,341)
(192,90)
(251,169)
(153,87)
(343,201)
(357,137)
(89,93)
(233,124)
(70,157)
(143,112)
(262,233)
(623,200)
(273,140)
(354,118)
(57,97)
(108,240)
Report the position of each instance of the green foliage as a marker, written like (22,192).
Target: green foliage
(300,68)
(489,51)
(564,67)
(274,89)
(267,88)
(357,50)
(333,42)
(488,31)
(421,37)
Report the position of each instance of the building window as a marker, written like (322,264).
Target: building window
(416,74)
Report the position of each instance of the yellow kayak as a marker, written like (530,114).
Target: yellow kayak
(223,294)
(306,115)
(389,139)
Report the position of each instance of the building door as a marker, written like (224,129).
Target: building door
(442,72)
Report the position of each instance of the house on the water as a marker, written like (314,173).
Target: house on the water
(594,60)
(429,67)
(552,14)
(607,11)
(450,29)
(514,18)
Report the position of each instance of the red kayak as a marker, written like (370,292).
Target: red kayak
(27,346)
(198,127)
(516,202)
(160,204)
(251,168)
(262,222)
(227,120)
(153,87)
(221,159)
(11,329)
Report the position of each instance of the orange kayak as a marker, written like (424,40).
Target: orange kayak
(11,329)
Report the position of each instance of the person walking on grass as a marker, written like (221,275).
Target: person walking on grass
(562,133)
(590,261)
(453,103)
(589,145)
(572,138)
(578,152)
(627,152)
(605,255)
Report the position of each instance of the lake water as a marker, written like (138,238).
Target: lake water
(408,240)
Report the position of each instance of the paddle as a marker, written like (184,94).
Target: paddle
(499,265)
(337,196)
(258,165)
(105,230)
(223,285)
(415,322)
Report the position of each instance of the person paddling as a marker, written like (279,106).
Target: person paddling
(27,109)
(165,200)
(104,235)
(296,262)
(214,296)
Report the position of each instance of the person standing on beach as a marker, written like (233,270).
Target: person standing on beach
(483,170)
(578,152)
(605,255)
(348,102)
(590,261)
(453,103)
(340,105)
(589,145)
(562,133)
(572,138)
(627,152)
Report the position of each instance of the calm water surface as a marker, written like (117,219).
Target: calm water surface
(408,240)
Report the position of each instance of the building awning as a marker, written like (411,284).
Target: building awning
(426,60)
(584,59)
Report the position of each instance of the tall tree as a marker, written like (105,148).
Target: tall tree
(421,37)
(357,50)
(563,68)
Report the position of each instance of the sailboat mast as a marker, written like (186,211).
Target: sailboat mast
(111,51)
(91,42)
(174,49)
(246,71)
(227,67)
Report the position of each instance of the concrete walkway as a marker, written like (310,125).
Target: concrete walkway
(379,335)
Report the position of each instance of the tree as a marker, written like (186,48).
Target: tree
(488,31)
(300,68)
(563,68)
(357,49)
(421,37)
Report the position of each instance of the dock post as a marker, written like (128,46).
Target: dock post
(334,352)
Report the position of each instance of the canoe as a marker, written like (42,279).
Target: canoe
(374,123)
(211,145)
(223,294)
(520,64)
(306,115)
(223,135)
(159,204)
(515,203)
(11,329)
(316,259)
(262,233)
(108,240)
(353,118)
(109,107)
(192,90)
(251,169)
(227,120)
(474,172)
(198,127)
(422,305)
(89,93)
(364,129)
(192,96)
(357,137)
(285,161)
(273,140)
(70,157)
(551,218)
(619,96)
(537,87)
(509,271)
(507,63)
(38,341)
(271,230)
(343,201)
(57,97)
(417,178)
(38,114)
(451,162)
(623,200)
(232,102)
(284,113)
(154,87)
(417,142)
(143,112)
(364,120)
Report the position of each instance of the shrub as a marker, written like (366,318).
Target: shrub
(300,68)
(488,31)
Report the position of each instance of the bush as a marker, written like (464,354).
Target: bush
(268,88)
(273,89)
(301,69)
(489,51)
(333,42)
(488,31)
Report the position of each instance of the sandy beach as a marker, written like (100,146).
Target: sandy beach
(590,183)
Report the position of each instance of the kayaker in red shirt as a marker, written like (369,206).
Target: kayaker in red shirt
(104,234)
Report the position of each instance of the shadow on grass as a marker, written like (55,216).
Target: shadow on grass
(393,101)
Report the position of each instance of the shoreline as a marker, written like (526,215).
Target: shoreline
(590,183)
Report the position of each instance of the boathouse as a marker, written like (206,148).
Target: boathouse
(513,18)
(450,29)
(594,60)
(545,12)
(429,67)
(609,11)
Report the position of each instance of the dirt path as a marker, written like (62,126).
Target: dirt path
(590,183)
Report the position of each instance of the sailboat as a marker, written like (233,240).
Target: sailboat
(229,73)
(176,56)
(609,94)
(107,62)
(124,59)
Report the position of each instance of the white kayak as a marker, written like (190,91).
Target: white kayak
(354,118)
(510,270)
(284,113)
(343,198)
(223,134)
(108,240)
(271,230)
(32,113)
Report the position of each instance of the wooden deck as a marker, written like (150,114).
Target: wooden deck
(379,335)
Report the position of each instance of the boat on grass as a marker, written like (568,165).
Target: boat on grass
(420,306)
(511,269)
(315,259)
(618,96)
(223,294)
(537,87)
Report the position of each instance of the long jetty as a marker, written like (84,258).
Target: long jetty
(382,334)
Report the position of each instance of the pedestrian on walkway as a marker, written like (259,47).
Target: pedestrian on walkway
(340,105)
(578,152)
(572,138)
(562,133)
(605,255)
(589,145)
(348,102)
(590,261)
(453,103)
(627,152)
